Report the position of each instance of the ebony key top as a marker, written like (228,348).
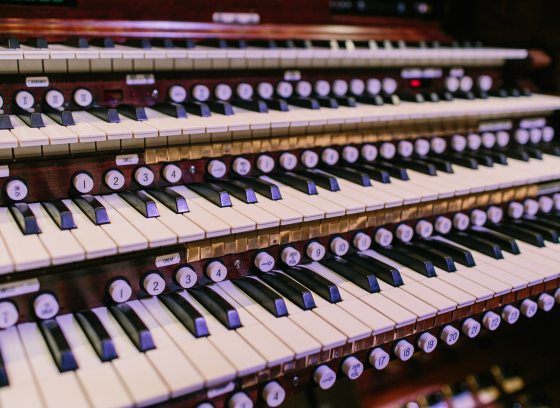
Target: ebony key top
(141,203)
(133,326)
(60,214)
(263,295)
(4,381)
(213,193)
(58,345)
(478,244)
(303,184)
(25,219)
(189,317)
(170,198)
(387,273)
(321,178)
(438,258)
(353,272)
(460,255)
(93,209)
(315,282)
(220,308)
(292,290)
(267,189)
(417,263)
(348,173)
(238,189)
(520,233)
(107,114)
(97,335)
(505,242)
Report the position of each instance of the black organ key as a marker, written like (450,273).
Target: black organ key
(141,203)
(533,152)
(277,104)
(387,273)
(31,119)
(548,233)
(37,42)
(5,122)
(393,170)
(171,199)
(438,258)
(172,109)
(460,160)
(142,43)
(348,173)
(58,346)
(221,107)
(239,190)
(497,157)
(102,42)
(263,187)
(137,113)
(292,290)
(93,209)
(25,219)
(481,158)
(478,244)
(107,114)
(213,193)
(548,148)
(417,165)
(440,164)
(197,108)
(263,43)
(416,97)
(4,381)
(520,233)
(544,221)
(315,282)
(220,308)
(327,102)
(10,43)
(417,263)
(62,117)
(379,175)
(60,214)
(303,184)
(431,97)
(322,179)
(459,255)
(133,326)
(308,103)
(263,295)
(505,242)
(97,335)
(77,42)
(353,272)
(348,101)
(255,105)
(516,154)
(189,317)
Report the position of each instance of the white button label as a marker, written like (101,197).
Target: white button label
(19,288)
(126,159)
(166,260)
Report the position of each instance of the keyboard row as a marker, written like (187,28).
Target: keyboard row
(69,230)
(101,55)
(20,136)
(147,351)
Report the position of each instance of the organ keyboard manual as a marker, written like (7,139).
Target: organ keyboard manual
(279,203)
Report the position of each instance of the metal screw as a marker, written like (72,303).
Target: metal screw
(192,170)
(295,381)
(155,93)
(237,264)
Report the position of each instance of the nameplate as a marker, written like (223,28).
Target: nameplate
(140,79)
(495,126)
(13,289)
(292,75)
(169,259)
(37,82)
(531,123)
(127,159)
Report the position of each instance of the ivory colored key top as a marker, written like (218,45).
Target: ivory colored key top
(99,380)
(121,231)
(261,217)
(243,357)
(113,131)
(144,384)
(155,232)
(196,350)
(92,238)
(173,367)
(287,331)
(277,208)
(61,245)
(57,389)
(6,262)
(27,136)
(185,229)
(22,390)
(236,220)
(27,251)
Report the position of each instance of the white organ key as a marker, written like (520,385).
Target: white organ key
(196,350)
(185,229)
(113,131)
(6,261)
(279,209)
(26,135)
(241,355)
(92,238)
(234,219)
(57,389)
(27,251)
(141,379)
(121,231)
(61,245)
(262,218)
(154,231)
(99,380)
(22,390)
(173,367)
(58,134)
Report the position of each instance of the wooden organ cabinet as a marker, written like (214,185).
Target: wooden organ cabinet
(229,204)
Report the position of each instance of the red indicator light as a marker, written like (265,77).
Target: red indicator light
(415,83)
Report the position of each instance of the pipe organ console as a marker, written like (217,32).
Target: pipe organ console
(210,207)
